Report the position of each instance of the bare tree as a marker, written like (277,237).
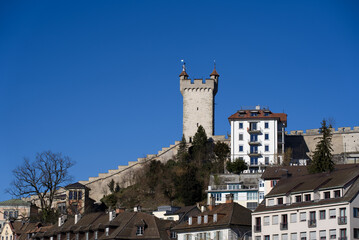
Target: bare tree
(42,178)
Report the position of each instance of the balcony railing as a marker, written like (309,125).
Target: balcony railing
(254,142)
(257,228)
(342,220)
(254,130)
(312,223)
(254,153)
(284,226)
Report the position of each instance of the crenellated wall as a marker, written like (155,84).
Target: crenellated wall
(345,142)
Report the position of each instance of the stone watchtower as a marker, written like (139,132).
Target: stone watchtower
(198,103)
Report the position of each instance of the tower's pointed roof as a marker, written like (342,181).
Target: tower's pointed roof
(183,73)
(214,73)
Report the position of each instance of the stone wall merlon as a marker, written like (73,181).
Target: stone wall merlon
(316,131)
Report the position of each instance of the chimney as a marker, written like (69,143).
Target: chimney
(212,203)
(229,198)
(77,217)
(137,208)
(203,208)
(111,215)
(62,220)
(120,210)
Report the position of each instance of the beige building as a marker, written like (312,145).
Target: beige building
(313,206)
(15,209)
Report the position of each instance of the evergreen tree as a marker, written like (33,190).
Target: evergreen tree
(221,150)
(236,167)
(322,160)
(199,146)
(182,152)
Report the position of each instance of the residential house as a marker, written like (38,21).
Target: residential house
(312,206)
(246,189)
(229,221)
(16,209)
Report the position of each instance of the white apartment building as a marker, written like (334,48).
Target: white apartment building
(257,136)
(311,207)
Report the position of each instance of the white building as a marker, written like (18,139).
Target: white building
(257,136)
(228,221)
(313,206)
(247,189)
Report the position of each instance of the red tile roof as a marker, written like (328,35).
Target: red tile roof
(246,114)
(183,73)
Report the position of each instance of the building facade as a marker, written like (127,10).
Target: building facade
(247,189)
(14,209)
(257,137)
(198,103)
(313,206)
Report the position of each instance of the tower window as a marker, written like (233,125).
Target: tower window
(197,124)
(197,108)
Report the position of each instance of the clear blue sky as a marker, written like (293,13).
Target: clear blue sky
(98,80)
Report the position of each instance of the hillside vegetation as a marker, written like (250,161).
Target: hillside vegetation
(180,181)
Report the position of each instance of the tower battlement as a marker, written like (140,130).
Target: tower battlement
(199,85)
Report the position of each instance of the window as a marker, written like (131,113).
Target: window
(96,235)
(266,136)
(240,125)
(303,216)
(173,234)
(332,234)
(70,195)
(252,205)
(275,220)
(266,160)
(279,201)
(205,219)
(261,183)
(240,137)
(356,212)
(189,237)
(199,220)
(140,230)
(59,236)
(307,197)
(273,183)
(261,195)
(293,236)
(215,217)
(284,236)
(107,231)
(87,235)
(68,236)
(266,221)
(322,235)
(326,195)
(343,233)
(217,196)
(235,196)
(303,236)
(322,214)
(337,193)
(253,126)
(254,114)
(332,213)
(293,217)
(270,202)
(190,221)
(254,138)
(6,214)
(80,195)
(356,232)
(266,114)
(276,237)
(266,148)
(252,195)
(266,124)
(219,235)
(78,236)
(254,161)
(75,195)
(240,148)
(266,237)
(312,235)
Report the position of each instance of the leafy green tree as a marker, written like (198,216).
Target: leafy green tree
(322,160)
(236,167)
(221,151)
(111,186)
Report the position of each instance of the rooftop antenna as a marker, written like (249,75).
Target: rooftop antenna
(183,65)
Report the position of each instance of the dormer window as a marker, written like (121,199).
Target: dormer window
(190,221)
(96,235)
(87,235)
(254,114)
(298,198)
(337,193)
(266,113)
(326,195)
(215,217)
(77,236)
(107,231)
(280,201)
(68,236)
(307,197)
(205,219)
(199,220)
(140,230)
